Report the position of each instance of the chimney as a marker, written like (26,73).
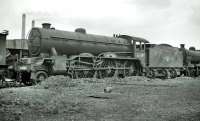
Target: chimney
(192,48)
(33,23)
(46,25)
(23,25)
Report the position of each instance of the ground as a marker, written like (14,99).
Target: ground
(130,99)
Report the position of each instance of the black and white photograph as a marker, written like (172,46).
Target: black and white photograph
(100,60)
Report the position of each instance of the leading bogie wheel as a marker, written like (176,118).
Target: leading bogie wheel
(41,76)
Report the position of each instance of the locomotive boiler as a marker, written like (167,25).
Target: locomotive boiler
(42,40)
(191,56)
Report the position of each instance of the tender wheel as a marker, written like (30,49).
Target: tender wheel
(166,74)
(150,73)
(192,72)
(41,75)
(173,73)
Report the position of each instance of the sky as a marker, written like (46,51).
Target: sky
(159,21)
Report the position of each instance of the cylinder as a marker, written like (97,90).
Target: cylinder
(73,43)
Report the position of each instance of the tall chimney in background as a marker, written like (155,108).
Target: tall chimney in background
(33,23)
(23,25)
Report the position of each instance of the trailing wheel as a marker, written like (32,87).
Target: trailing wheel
(129,68)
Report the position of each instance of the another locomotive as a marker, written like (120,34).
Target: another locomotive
(3,65)
(169,62)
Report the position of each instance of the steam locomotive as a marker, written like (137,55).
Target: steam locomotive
(82,55)
(9,56)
